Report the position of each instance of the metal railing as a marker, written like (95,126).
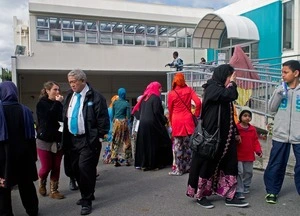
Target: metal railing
(257,95)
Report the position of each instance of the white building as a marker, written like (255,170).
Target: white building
(117,43)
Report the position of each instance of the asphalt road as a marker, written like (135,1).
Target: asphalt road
(130,192)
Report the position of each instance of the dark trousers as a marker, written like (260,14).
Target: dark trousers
(84,160)
(275,171)
(28,196)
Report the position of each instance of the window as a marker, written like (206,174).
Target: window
(91,37)
(105,27)
(105,38)
(55,35)
(288,23)
(139,40)
(42,22)
(118,28)
(162,30)
(43,34)
(163,41)
(130,28)
(151,30)
(79,25)
(91,26)
(180,42)
(140,29)
(55,23)
(117,39)
(68,36)
(172,41)
(128,39)
(189,35)
(172,31)
(112,32)
(151,41)
(68,24)
(79,36)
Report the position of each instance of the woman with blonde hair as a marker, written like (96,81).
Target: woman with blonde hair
(49,114)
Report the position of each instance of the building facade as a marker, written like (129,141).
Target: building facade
(277,22)
(126,44)
(117,43)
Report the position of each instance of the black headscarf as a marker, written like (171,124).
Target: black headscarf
(222,72)
(9,96)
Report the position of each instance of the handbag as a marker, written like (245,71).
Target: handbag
(203,143)
(195,120)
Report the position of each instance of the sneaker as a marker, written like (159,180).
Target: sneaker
(239,195)
(246,190)
(203,202)
(271,198)
(175,173)
(235,202)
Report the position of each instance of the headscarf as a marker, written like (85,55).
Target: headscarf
(240,60)
(112,100)
(221,73)
(9,96)
(152,88)
(139,98)
(178,80)
(122,93)
(8,93)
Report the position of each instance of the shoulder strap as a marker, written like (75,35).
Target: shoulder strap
(183,102)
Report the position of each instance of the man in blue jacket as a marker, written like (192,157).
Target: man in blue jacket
(285,102)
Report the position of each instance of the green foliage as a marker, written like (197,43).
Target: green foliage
(6,74)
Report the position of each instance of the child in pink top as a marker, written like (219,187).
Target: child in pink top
(248,145)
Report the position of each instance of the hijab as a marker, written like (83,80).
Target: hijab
(122,93)
(152,88)
(178,80)
(221,73)
(9,96)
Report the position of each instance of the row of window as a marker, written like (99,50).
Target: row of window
(116,33)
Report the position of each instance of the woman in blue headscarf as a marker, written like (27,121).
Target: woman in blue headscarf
(17,151)
(120,133)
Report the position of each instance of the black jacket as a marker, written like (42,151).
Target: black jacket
(96,119)
(49,113)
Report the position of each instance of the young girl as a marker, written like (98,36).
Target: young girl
(248,145)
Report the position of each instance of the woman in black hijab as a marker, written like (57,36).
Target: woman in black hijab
(217,175)
(17,151)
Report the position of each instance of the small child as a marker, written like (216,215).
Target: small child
(248,145)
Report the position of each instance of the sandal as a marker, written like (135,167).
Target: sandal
(175,173)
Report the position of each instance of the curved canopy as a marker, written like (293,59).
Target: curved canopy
(210,28)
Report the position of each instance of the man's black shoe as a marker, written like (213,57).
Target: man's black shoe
(72,185)
(86,210)
(79,202)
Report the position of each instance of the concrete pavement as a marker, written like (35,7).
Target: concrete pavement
(127,191)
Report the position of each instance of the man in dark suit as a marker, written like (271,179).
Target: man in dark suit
(86,122)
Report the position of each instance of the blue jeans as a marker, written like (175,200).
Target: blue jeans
(275,171)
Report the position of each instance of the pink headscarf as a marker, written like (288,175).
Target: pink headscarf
(152,88)
(240,60)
